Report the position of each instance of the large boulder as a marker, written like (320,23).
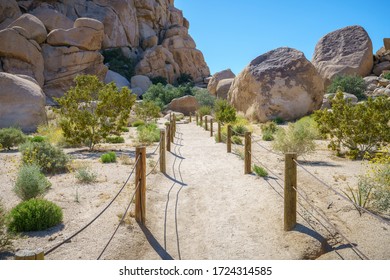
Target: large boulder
(280,83)
(20,55)
(34,27)
(63,64)
(9,11)
(222,75)
(118,79)
(186,105)
(346,51)
(52,19)
(22,102)
(223,88)
(142,82)
(87,34)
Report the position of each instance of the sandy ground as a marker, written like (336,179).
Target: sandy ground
(205,207)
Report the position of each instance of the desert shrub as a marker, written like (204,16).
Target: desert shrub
(5,238)
(37,138)
(137,123)
(184,78)
(91,110)
(239,129)
(115,139)
(49,158)
(108,157)
(260,171)
(360,128)
(204,97)
(351,84)
(269,129)
(268,136)
(279,120)
(30,182)
(386,75)
(147,110)
(224,112)
(162,95)
(297,137)
(125,129)
(204,110)
(11,137)
(53,134)
(236,140)
(85,175)
(159,80)
(148,134)
(34,215)
(119,63)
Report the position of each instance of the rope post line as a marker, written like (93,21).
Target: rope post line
(197,119)
(211,128)
(168,133)
(219,133)
(163,167)
(140,178)
(248,152)
(290,193)
(205,123)
(30,255)
(229,139)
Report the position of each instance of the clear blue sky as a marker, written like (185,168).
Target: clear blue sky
(231,33)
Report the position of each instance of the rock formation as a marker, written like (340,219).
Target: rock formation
(213,82)
(186,105)
(347,51)
(280,83)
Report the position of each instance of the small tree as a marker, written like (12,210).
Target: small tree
(92,110)
(359,128)
(10,137)
(351,84)
(147,110)
(224,112)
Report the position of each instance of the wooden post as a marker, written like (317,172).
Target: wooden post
(290,194)
(219,133)
(229,139)
(205,123)
(197,119)
(30,255)
(248,151)
(163,167)
(171,134)
(174,124)
(211,128)
(140,181)
(201,120)
(190,117)
(168,130)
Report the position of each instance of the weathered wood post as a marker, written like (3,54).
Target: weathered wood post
(290,193)
(219,133)
(190,117)
(168,132)
(30,255)
(211,127)
(248,153)
(197,119)
(171,133)
(163,167)
(229,139)
(201,120)
(174,125)
(205,123)
(140,182)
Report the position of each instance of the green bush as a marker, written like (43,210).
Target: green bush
(85,175)
(10,137)
(34,215)
(204,97)
(386,75)
(239,130)
(203,111)
(137,123)
(184,78)
(119,63)
(148,134)
(115,139)
(224,112)
(360,128)
(163,95)
(260,171)
(350,84)
(92,110)
(49,158)
(125,129)
(108,157)
(147,110)
(159,80)
(268,136)
(279,120)
(236,140)
(37,138)
(31,182)
(297,137)
(5,238)
(269,127)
